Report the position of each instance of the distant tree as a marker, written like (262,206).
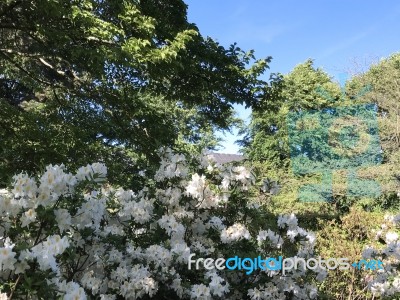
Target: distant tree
(306,87)
(384,79)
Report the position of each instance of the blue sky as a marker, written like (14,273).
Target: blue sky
(341,36)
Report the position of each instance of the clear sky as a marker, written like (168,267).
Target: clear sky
(341,36)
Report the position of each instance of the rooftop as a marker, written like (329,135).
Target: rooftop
(223,158)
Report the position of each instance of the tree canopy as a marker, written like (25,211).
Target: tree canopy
(88,80)
(300,156)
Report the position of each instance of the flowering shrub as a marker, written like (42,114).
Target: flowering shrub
(73,236)
(387,281)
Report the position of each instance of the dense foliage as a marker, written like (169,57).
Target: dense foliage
(113,81)
(89,80)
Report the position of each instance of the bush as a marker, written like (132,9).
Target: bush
(73,236)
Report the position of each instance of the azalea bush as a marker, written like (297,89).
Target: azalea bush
(73,236)
(385,282)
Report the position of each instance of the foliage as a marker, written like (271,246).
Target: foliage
(112,81)
(308,94)
(353,231)
(267,138)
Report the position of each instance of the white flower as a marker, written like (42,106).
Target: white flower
(107,297)
(216,223)
(159,255)
(24,186)
(289,220)
(321,274)
(125,265)
(234,233)
(172,165)
(7,256)
(217,286)
(96,172)
(273,237)
(170,225)
(63,219)
(242,174)
(378,288)
(396,284)
(21,267)
(182,251)
(391,237)
(71,291)
(170,196)
(3,296)
(140,211)
(368,252)
(225,183)
(255,294)
(196,186)
(28,217)
(292,234)
(200,291)
(46,251)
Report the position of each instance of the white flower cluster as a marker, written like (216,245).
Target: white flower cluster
(95,172)
(97,241)
(386,281)
(172,165)
(235,232)
(7,256)
(45,252)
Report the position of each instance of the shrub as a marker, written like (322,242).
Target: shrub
(73,236)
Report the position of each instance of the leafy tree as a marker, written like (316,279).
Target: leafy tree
(310,93)
(85,80)
(384,80)
(306,87)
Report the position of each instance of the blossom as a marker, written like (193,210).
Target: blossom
(96,172)
(172,165)
(46,251)
(63,218)
(28,217)
(24,186)
(57,182)
(171,226)
(216,223)
(71,290)
(7,256)
(140,211)
(368,252)
(169,196)
(196,186)
(289,220)
(274,238)
(218,286)
(3,296)
(200,291)
(234,233)
(391,237)
(129,244)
